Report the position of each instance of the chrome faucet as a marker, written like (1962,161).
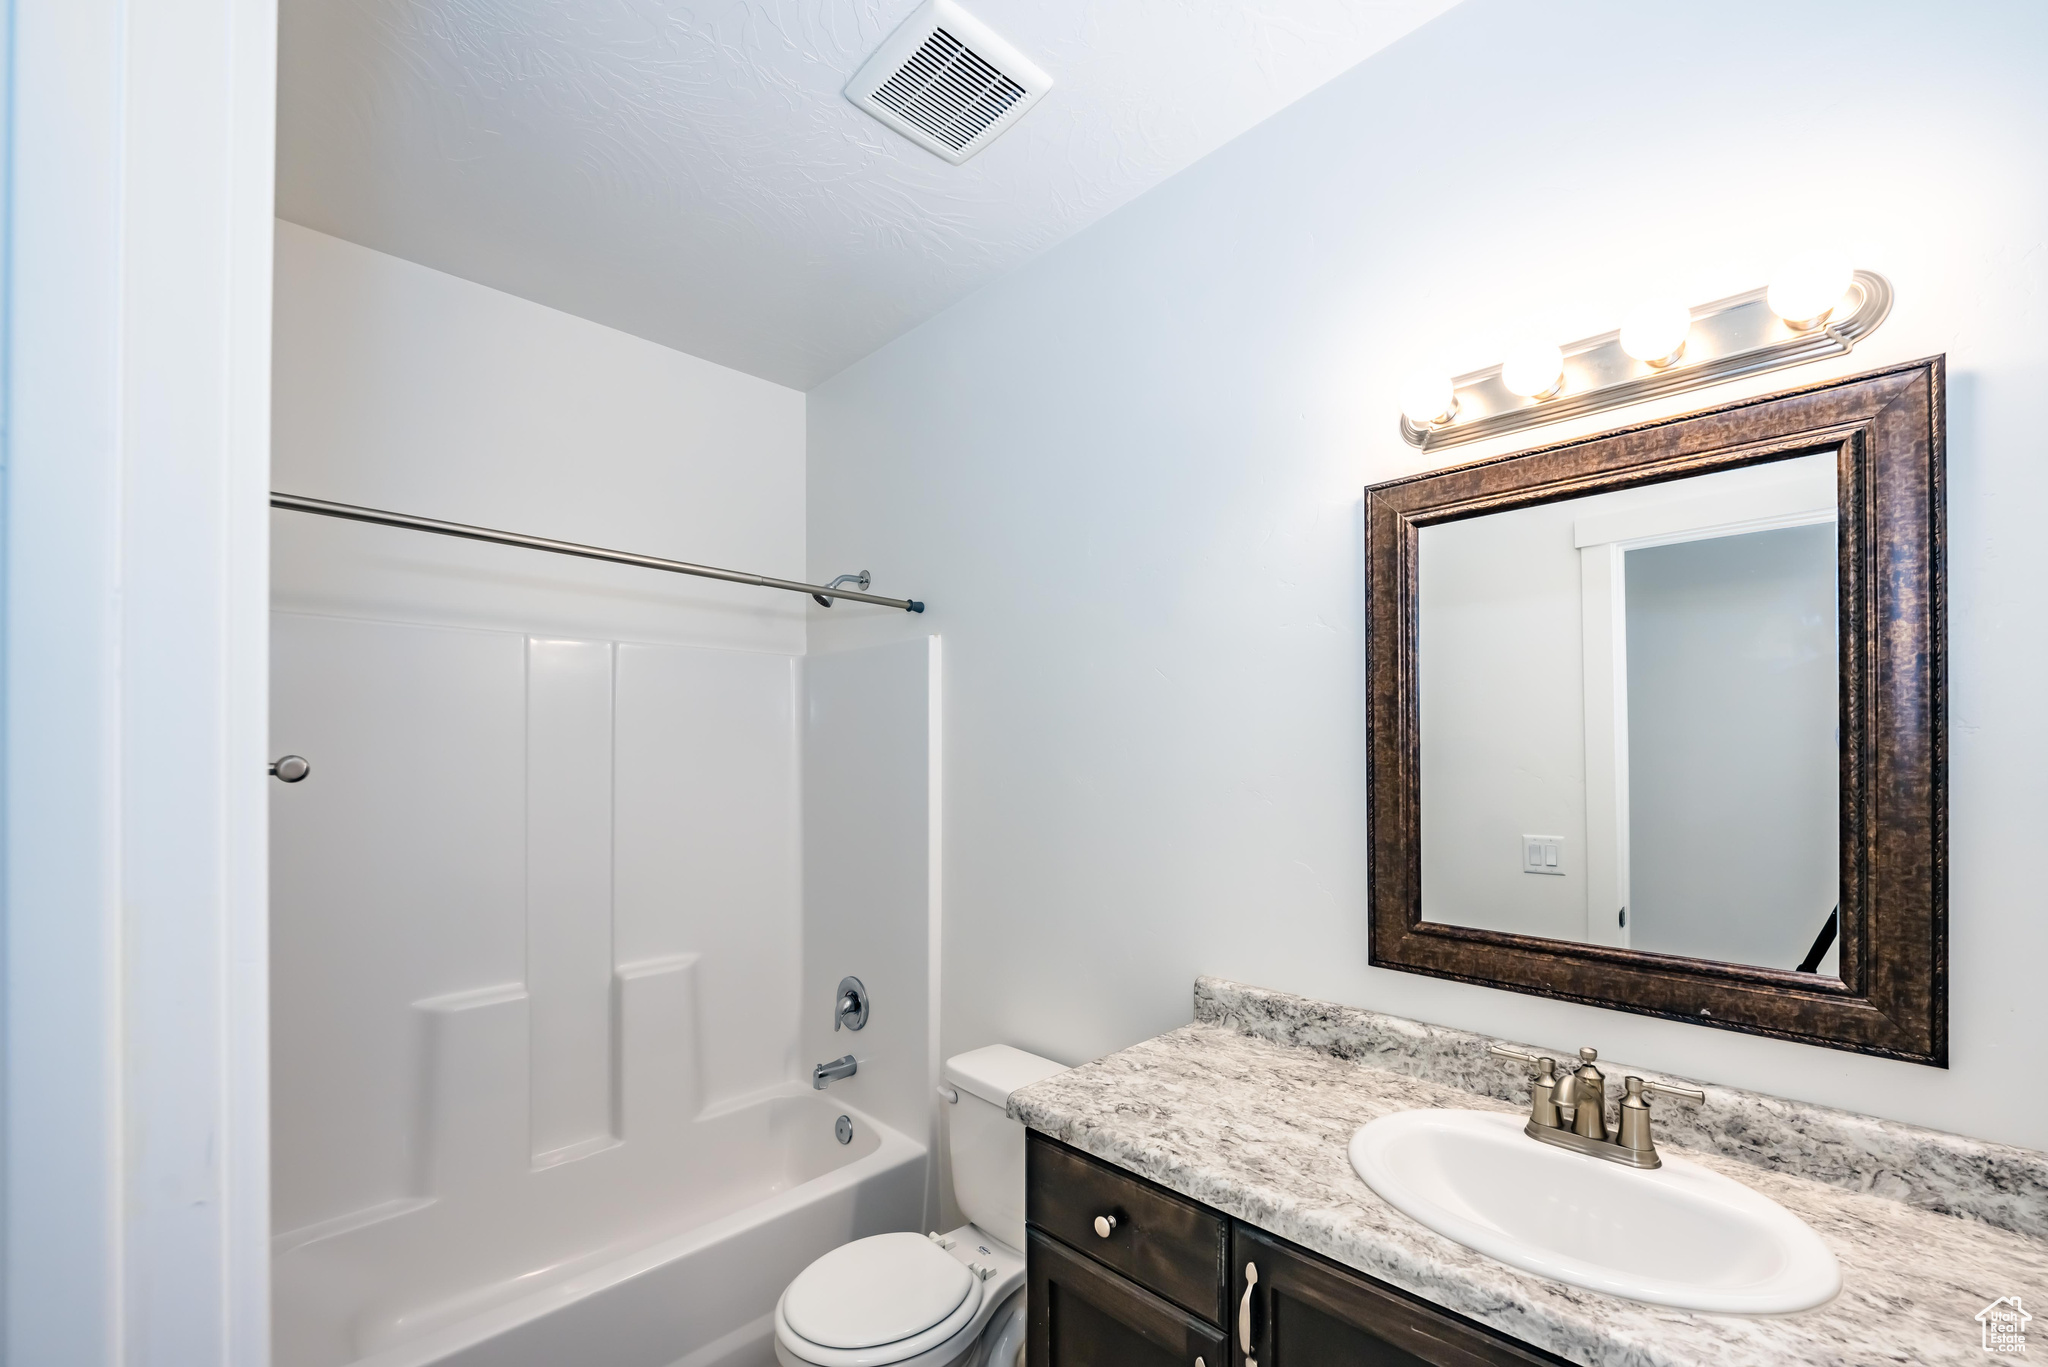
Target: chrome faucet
(1571,1111)
(831,1072)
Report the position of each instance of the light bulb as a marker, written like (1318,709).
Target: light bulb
(1654,332)
(1428,399)
(1806,289)
(1535,370)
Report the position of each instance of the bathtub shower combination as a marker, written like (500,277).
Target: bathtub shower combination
(643,1250)
(540,980)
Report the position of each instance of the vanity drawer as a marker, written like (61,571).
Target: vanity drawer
(1165,1243)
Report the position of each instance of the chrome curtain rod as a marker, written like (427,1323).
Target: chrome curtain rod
(350,512)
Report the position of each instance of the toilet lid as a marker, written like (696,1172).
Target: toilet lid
(875,1291)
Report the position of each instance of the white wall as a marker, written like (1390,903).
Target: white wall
(136,233)
(871,749)
(399,387)
(1503,712)
(1127,482)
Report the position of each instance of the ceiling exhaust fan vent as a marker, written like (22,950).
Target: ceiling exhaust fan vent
(947,82)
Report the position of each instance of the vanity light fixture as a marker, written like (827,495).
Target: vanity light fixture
(1818,306)
(1534,370)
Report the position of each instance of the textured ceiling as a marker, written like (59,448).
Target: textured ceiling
(689,171)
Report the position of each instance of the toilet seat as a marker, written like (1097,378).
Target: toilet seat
(877,1291)
(881,1300)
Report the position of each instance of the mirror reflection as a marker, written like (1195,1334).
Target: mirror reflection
(1629,718)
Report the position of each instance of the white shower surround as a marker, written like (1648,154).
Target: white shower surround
(547,984)
(538,939)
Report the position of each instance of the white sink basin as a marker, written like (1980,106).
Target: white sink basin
(1678,1235)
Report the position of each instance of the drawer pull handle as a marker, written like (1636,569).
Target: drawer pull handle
(1105,1225)
(1244,1313)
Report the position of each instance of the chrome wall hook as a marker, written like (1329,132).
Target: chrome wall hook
(290,768)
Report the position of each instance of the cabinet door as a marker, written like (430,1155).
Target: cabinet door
(1084,1315)
(1304,1311)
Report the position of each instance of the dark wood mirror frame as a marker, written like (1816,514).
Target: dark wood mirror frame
(1892,997)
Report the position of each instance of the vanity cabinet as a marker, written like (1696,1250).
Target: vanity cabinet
(1125,1272)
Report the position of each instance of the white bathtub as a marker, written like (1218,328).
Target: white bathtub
(598,1266)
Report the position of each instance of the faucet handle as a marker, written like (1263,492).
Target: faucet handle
(1673,1089)
(1549,1090)
(1634,1131)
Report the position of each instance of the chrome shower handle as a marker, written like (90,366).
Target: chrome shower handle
(850,1007)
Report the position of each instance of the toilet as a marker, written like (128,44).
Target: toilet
(933,1300)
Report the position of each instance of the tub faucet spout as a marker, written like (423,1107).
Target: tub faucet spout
(831,1072)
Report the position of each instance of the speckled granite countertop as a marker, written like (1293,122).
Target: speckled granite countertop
(1250,1110)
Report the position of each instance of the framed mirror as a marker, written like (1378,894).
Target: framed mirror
(1656,718)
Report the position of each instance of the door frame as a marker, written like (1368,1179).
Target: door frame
(137,252)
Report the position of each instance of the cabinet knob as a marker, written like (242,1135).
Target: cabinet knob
(1105,1225)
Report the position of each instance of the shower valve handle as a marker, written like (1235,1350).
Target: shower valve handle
(850,1009)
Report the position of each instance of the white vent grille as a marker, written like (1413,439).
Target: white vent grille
(949,92)
(946,82)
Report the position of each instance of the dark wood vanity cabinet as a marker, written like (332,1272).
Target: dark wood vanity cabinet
(1125,1272)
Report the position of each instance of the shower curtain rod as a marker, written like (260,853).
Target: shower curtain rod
(350,512)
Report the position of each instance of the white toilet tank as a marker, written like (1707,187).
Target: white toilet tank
(987,1146)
